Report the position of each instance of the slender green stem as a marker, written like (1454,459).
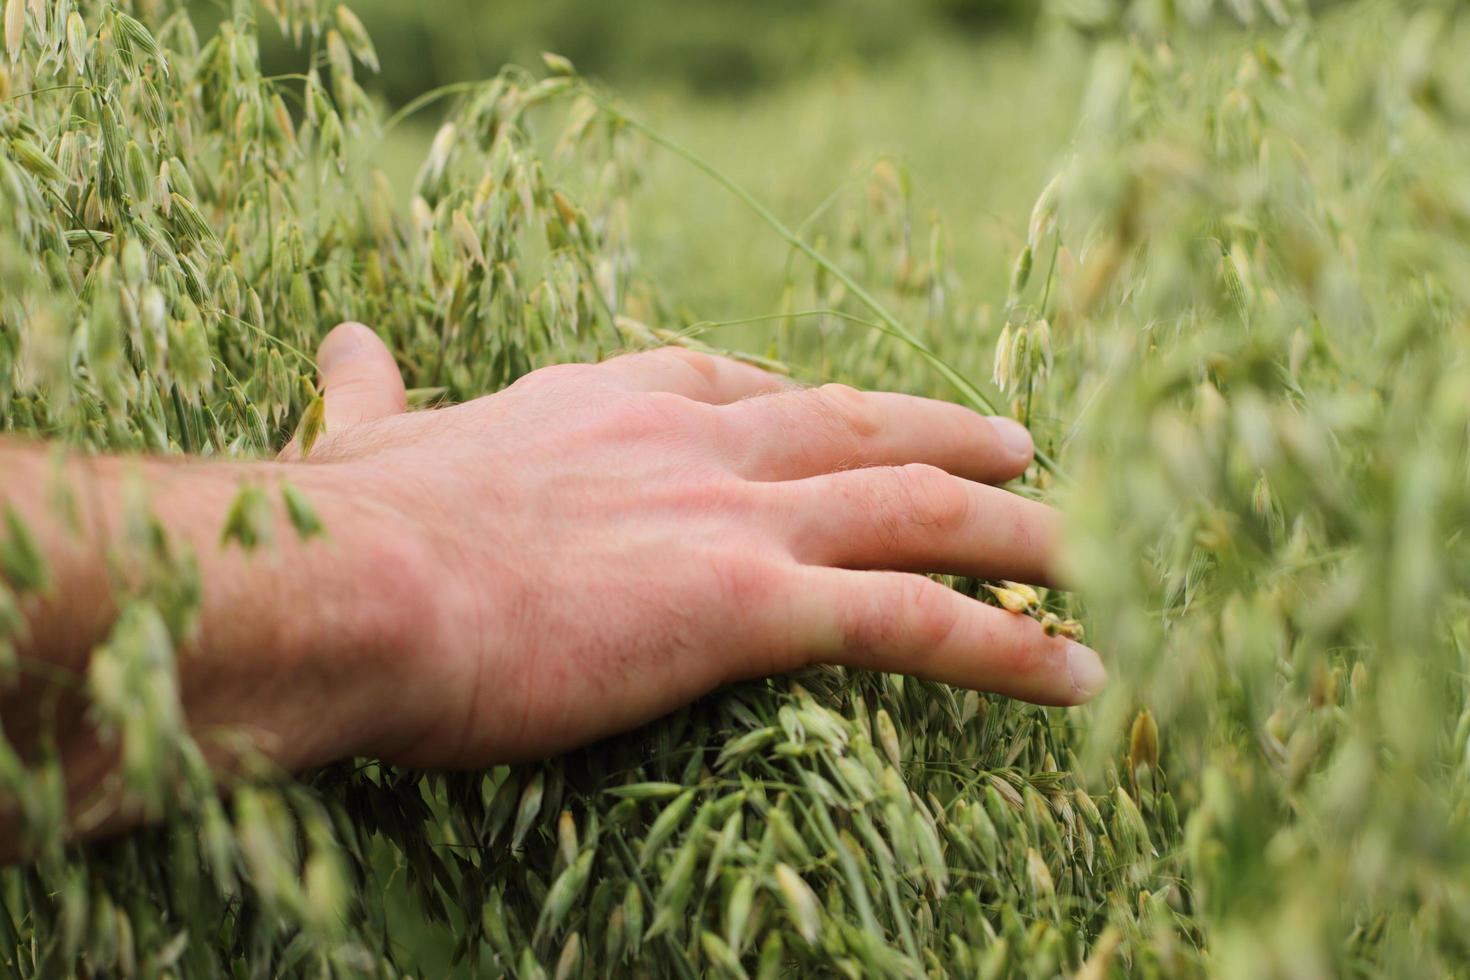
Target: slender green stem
(76,219)
(821,209)
(895,326)
(1051,271)
(421,102)
(265,335)
(41,91)
(429,98)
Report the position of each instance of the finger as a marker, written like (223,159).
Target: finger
(360,380)
(693,374)
(909,624)
(918,518)
(801,433)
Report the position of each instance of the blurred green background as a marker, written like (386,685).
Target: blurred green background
(796,100)
(708,46)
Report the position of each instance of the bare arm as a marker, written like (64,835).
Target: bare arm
(569,558)
(284,642)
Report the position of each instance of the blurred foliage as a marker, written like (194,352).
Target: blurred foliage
(708,46)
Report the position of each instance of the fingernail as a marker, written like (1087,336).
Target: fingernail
(1086,670)
(1014,435)
(343,344)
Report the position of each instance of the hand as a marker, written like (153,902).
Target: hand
(598,544)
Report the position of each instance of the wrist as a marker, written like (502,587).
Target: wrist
(368,612)
(300,649)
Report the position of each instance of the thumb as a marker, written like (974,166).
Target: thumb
(360,380)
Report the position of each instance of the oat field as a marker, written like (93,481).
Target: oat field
(1216,255)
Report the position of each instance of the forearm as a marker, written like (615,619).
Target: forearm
(287,654)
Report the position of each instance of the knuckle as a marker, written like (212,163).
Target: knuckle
(946,502)
(869,632)
(745,586)
(908,617)
(925,496)
(554,374)
(1033,654)
(664,405)
(921,474)
(654,414)
(703,366)
(699,361)
(850,408)
(704,495)
(1019,647)
(753,595)
(931,611)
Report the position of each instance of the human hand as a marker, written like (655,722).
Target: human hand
(599,544)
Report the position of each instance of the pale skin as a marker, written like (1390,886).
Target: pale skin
(521,574)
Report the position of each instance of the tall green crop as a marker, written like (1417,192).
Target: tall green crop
(1239,323)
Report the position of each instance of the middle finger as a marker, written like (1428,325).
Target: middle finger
(918,518)
(793,434)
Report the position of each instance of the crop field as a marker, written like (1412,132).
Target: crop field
(1216,256)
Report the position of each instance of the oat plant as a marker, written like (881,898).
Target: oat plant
(1238,321)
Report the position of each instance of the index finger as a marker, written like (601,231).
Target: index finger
(693,374)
